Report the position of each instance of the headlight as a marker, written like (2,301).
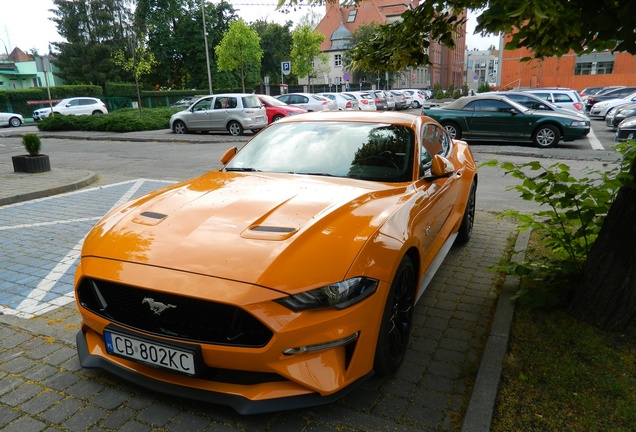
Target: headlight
(579,124)
(600,105)
(338,295)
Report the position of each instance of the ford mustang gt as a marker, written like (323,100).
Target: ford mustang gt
(285,278)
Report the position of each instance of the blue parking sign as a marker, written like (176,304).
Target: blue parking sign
(285,67)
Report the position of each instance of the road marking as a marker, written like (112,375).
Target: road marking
(33,305)
(594,142)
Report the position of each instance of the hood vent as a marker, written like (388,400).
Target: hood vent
(273,229)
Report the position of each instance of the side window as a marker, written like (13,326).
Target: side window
(492,106)
(561,97)
(544,96)
(203,105)
(74,103)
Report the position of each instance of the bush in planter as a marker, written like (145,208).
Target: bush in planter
(32,144)
(34,162)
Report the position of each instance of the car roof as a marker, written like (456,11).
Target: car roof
(390,117)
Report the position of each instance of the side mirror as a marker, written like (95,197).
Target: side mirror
(228,155)
(441,167)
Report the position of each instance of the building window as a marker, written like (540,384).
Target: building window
(37,82)
(352,15)
(338,60)
(583,69)
(604,67)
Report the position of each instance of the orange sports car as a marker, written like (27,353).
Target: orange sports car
(287,277)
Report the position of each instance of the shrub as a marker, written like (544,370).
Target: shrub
(32,144)
(123,120)
(575,211)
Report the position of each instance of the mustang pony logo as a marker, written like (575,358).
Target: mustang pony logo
(155,306)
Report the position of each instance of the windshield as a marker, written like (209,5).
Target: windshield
(272,100)
(369,151)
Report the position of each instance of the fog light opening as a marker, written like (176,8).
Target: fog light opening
(321,346)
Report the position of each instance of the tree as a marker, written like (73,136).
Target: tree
(305,49)
(240,50)
(361,34)
(139,63)
(549,28)
(93,30)
(276,43)
(607,292)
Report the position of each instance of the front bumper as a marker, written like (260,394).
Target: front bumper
(240,404)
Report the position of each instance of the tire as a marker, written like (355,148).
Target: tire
(235,128)
(468,221)
(453,130)
(415,104)
(255,131)
(546,136)
(179,127)
(277,117)
(397,320)
(97,112)
(14,122)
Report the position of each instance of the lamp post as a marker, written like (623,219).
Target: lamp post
(207,54)
(5,47)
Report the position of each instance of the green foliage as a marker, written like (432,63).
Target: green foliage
(32,144)
(124,120)
(574,213)
(240,50)
(276,43)
(305,48)
(483,88)
(120,90)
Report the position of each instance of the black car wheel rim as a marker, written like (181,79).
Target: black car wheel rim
(401,313)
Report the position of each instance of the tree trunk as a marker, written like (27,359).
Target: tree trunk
(606,296)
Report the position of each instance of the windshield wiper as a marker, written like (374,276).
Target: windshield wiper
(312,173)
(246,169)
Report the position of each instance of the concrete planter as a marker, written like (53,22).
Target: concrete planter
(31,164)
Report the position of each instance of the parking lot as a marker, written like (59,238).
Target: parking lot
(43,387)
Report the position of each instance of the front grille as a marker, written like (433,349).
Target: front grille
(174,316)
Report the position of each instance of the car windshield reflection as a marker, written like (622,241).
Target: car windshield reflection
(368,151)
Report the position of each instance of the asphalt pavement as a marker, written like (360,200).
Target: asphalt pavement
(448,382)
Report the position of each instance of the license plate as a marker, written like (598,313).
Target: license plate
(152,353)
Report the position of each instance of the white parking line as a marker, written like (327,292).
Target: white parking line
(594,142)
(31,306)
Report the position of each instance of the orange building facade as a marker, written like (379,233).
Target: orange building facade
(570,70)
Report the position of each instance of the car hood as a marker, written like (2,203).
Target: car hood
(249,227)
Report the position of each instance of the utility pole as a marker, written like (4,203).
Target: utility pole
(207,54)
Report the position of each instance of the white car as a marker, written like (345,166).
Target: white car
(418,97)
(233,112)
(309,101)
(345,101)
(73,106)
(366,102)
(10,119)
(600,109)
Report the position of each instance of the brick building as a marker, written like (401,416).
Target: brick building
(339,23)
(570,70)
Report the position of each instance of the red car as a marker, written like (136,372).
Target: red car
(277,109)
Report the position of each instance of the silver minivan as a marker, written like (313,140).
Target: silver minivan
(234,112)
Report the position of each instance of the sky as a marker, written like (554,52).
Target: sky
(26,23)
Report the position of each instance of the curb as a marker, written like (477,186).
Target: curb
(90,178)
(481,407)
